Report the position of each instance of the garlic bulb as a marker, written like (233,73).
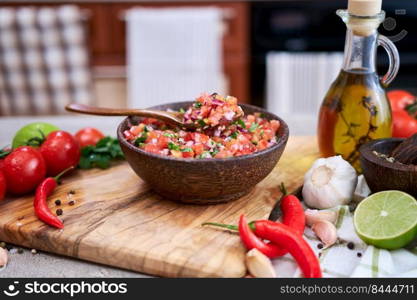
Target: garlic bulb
(329,182)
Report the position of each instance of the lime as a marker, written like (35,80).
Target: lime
(387,219)
(30,131)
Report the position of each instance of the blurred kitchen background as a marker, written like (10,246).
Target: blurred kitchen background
(278,54)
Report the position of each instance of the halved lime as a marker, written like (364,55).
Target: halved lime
(387,219)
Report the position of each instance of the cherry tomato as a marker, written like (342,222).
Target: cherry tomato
(3,185)
(60,151)
(88,136)
(399,99)
(24,169)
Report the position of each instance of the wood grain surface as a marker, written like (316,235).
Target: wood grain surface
(117,220)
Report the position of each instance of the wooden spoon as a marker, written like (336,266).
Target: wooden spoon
(173,118)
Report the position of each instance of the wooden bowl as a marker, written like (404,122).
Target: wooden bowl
(203,181)
(382,175)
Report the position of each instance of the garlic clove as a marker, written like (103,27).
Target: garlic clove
(259,265)
(4,257)
(314,215)
(326,232)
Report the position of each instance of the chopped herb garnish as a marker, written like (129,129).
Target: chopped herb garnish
(202,123)
(198,104)
(170,135)
(214,152)
(186,150)
(141,139)
(253,127)
(240,123)
(234,135)
(182,110)
(172,146)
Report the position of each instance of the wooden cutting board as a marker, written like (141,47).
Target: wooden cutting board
(117,220)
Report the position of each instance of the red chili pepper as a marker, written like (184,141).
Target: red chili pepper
(284,236)
(293,216)
(42,210)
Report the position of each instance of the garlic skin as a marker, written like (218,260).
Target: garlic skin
(329,182)
(326,232)
(362,190)
(259,265)
(4,257)
(313,216)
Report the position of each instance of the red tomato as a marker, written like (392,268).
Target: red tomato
(3,185)
(151,148)
(88,136)
(24,169)
(404,125)
(60,151)
(188,154)
(399,99)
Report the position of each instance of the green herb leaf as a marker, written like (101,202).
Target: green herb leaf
(172,146)
(141,139)
(182,110)
(201,123)
(240,123)
(234,135)
(170,135)
(100,155)
(186,150)
(253,127)
(198,104)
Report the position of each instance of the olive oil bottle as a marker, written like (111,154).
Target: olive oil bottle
(355,110)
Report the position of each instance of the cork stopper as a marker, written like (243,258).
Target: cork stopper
(364,8)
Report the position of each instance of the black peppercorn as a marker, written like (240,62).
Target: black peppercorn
(59,212)
(72,192)
(57,202)
(351,245)
(71,203)
(320,246)
(359,254)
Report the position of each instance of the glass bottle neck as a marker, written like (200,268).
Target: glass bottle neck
(360,52)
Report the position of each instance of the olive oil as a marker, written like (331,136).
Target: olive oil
(354,111)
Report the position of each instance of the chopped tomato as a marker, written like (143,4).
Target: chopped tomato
(220,134)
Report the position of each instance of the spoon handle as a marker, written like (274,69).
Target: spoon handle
(103,111)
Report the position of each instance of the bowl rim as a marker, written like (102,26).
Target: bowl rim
(281,142)
(367,149)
